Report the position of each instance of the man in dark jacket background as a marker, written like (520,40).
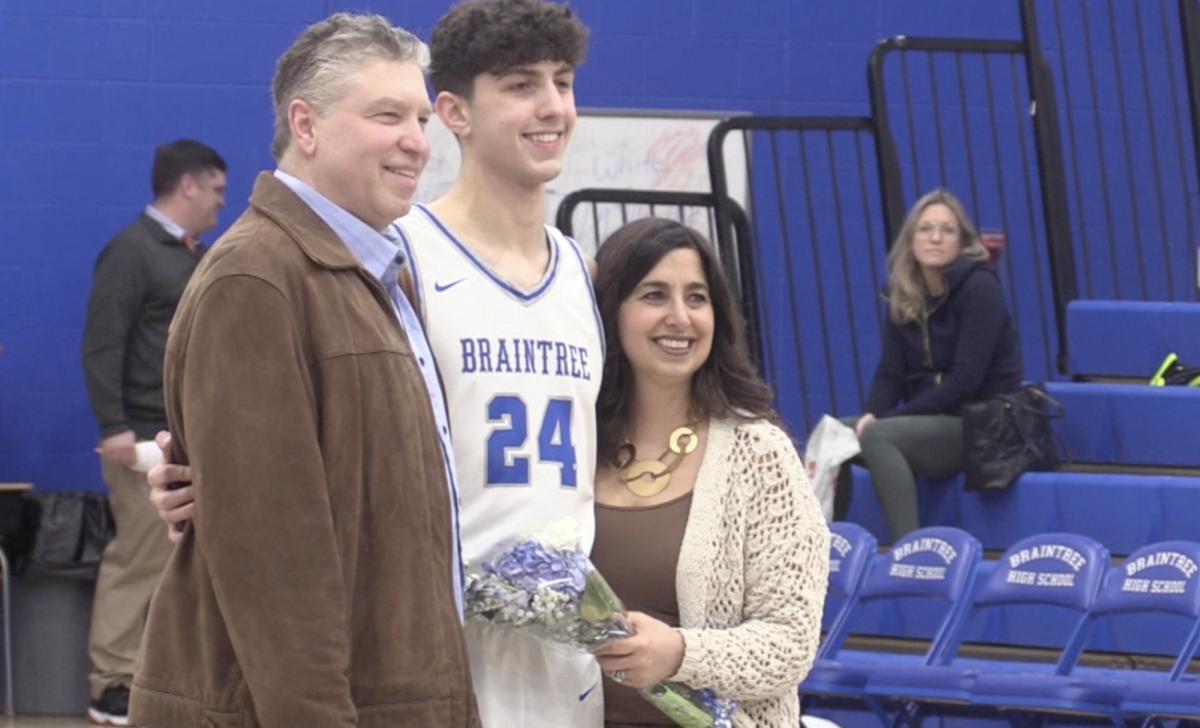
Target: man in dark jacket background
(138,280)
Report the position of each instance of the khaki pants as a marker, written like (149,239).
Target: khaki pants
(129,572)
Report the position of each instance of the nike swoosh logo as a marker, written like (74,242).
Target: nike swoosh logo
(585,693)
(439,287)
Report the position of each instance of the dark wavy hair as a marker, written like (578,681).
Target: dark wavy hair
(726,385)
(494,36)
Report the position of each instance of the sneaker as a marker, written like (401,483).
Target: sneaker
(112,708)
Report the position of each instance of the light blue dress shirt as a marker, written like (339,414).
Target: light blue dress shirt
(172,227)
(380,255)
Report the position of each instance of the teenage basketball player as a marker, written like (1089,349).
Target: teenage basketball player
(508,307)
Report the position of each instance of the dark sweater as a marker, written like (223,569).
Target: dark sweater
(137,283)
(972,350)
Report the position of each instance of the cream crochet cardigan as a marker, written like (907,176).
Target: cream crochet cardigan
(752,573)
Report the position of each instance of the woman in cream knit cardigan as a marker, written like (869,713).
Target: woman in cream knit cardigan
(716,545)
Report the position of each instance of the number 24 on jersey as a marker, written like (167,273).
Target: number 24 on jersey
(554,444)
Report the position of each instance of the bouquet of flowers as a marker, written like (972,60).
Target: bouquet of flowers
(546,585)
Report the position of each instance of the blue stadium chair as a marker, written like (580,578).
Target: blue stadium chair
(1056,572)
(1161,578)
(1158,581)
(851,549)
(1032,571)
(1155,700)
(934,565)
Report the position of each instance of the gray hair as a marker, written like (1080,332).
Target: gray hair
(319,66)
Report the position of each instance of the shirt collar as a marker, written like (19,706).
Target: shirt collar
(372,249)
(168,224)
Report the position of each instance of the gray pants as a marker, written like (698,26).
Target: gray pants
(894,451)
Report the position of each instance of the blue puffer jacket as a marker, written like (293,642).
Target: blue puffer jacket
(968,349)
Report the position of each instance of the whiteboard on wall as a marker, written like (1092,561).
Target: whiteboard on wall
(636,150)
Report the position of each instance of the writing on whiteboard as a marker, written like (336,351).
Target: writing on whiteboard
(611,150)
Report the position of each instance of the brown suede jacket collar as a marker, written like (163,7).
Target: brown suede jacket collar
(276,201)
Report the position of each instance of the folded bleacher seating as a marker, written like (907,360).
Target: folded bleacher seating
(1129,339)
(1124,511)
(1129,424)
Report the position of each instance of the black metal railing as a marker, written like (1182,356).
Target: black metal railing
(1126,74)
(1189,20)
(1080,151)
(812,265)
(955,113)
(592,214)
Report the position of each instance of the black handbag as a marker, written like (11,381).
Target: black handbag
(1008,434)
(63,533)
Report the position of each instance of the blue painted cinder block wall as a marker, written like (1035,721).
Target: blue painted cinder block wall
(88,87)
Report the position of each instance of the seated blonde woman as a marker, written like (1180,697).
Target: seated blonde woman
(948,339)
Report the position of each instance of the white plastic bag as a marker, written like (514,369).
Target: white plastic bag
(829,445)
(812,721)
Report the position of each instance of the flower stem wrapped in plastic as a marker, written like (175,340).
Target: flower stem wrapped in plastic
(690,708)
(547,586)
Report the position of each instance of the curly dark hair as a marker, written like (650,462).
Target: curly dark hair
(494,36)
(726,385)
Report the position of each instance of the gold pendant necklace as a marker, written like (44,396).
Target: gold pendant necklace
(648,478)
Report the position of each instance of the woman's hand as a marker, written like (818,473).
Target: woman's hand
(175,504)
(653,654)
(862,423)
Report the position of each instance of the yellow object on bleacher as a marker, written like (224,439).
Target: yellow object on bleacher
(1172,372)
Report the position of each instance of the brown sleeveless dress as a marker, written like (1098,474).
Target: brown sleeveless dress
(637,550)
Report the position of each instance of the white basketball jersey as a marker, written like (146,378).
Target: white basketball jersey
(521,370)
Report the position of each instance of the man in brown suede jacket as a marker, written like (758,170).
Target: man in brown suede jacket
(318,585)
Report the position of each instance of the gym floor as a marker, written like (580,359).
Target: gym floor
(28,722)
